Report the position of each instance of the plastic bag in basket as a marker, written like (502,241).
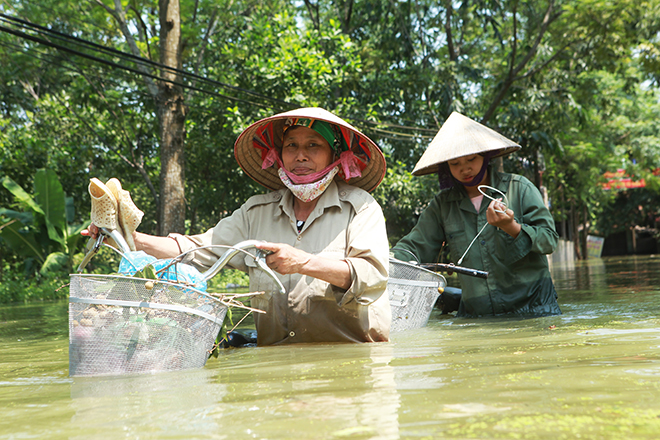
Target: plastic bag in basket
(134,261)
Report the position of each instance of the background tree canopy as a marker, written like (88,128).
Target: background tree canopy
(155,93)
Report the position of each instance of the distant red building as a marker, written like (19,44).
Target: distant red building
(620,180)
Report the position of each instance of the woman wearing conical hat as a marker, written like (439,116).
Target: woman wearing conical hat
(503,228)
(325,231)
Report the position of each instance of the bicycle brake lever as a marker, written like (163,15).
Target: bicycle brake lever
(260,259)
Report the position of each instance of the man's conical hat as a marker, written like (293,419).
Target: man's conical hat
(461,136)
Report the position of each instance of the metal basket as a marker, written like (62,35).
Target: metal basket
(120,325)
(413,292)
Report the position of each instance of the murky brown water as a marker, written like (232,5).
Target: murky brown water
(592,373)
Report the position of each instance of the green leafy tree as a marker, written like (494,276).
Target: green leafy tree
(399,196)
(564,78)
(40,232)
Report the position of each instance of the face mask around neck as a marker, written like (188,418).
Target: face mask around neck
(306,192)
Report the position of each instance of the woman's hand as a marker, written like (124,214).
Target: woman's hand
(92,231)
(286,259)
(501,217)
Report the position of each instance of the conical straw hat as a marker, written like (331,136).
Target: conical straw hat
(461,136)
(249,156)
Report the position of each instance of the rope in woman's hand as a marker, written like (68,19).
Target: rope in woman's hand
(506,206)
(505,203)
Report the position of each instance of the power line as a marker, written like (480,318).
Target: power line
(49,59)
(140,60)
(119,66)
(76,19)
(146,62)
(372,126)
(393,134)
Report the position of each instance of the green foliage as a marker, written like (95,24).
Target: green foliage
(15,287)
(403,197)
(228,277)
(40,233)
(575,178)
(147,272)
(627,209)
(574,82)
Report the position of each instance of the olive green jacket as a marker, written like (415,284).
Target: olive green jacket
(519,281)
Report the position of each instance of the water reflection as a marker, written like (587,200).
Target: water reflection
(275,392)
(624,273)
(593,372)
(141,405)
(341,389)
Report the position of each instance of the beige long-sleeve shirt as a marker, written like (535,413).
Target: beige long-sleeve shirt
(346,224)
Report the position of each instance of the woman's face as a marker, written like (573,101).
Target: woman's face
(465,168)
(304,151)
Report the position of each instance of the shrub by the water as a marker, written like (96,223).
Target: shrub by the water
(16,288)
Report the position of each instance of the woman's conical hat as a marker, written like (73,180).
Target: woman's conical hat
(461,136)
(250,157)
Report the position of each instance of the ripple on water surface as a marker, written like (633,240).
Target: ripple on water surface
(591,373)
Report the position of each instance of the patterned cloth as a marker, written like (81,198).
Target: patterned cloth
(352,160)
(308,191)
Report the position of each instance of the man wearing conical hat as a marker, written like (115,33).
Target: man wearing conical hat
(325,232)
(492,221)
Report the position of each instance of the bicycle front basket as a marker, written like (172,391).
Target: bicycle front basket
(413,292)
(120,325)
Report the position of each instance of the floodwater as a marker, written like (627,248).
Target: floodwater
(592,373)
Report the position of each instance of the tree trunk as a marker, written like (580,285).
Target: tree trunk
(172,118)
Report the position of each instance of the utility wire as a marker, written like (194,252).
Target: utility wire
(49,59)
(119,66)
(99,48)
(87,22)
(144,61)
(383,134)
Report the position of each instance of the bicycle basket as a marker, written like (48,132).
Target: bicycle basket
(413,292)
(120,325)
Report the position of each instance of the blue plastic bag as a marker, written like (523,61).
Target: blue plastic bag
(133,261)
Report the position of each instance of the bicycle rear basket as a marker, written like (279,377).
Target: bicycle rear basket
(413,292)
(120,325)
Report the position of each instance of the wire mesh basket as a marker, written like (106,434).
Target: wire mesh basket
(413,292)
(120,324)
